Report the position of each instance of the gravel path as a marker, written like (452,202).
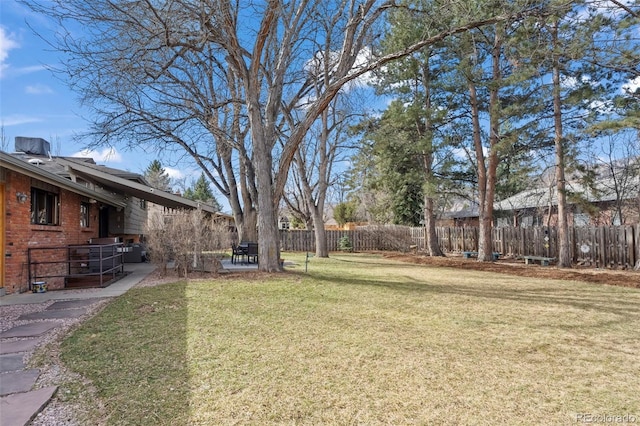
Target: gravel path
(51,373)
(60,411)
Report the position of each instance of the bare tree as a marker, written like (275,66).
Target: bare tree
(618,170)
(212,80)
(313,169)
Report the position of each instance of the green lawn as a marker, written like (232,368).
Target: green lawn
(361,340)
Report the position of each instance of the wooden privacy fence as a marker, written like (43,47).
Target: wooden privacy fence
(600,247)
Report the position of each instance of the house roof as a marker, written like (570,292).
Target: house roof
(62,171)
(129,183)
(37,170)
(542,197)
(89,163)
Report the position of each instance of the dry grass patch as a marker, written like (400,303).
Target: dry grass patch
(364,340)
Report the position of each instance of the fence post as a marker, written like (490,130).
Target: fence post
(636,243)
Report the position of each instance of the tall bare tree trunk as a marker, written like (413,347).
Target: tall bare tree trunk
(431,237)
(269,236)
(320,234)
(485,237)
(487,169)
(564,253)
(481,165)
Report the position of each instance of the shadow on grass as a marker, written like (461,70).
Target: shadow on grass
(141,376)
(612,300)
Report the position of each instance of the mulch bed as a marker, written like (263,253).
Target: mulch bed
(624,278)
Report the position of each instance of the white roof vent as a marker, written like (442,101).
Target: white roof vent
(36,161)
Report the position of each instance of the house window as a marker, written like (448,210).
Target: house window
(85,208)
(503,222)
(526,221)
(581,219)
(143,204)
(45,207)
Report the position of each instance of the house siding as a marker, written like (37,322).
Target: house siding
(21,234)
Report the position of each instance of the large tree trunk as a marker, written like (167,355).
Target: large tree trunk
(245,214)
(485,237)
(481,167)
(269,236)
(248,231)
(486,184)
(431,238)
(320,234)
(564,252)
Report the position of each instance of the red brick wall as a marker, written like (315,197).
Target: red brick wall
(21,234)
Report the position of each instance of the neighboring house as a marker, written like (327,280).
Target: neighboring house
(463,217)
(61,201)
(460,212)
(601,205)
(284,223)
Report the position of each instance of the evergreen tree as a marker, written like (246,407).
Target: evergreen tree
(157,176)
(201,191)
(345,212)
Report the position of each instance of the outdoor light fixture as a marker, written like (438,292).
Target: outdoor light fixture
(21,197)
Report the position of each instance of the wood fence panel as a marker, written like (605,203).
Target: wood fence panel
(601,247)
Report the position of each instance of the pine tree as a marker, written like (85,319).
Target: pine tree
(201,191)
(157,176)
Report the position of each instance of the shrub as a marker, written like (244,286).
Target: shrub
(390,237)
(189,238)
(344,243)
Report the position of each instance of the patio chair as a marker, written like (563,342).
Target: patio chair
(238,252)
(252,252)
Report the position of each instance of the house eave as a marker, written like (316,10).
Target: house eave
(136,189)
(17,165)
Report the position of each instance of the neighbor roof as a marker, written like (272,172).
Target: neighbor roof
(542,197)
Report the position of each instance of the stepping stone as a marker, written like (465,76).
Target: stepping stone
(11,362)
(72,304)
(29,330)
(18,346)
(55,314)
(20,381)
(20,408)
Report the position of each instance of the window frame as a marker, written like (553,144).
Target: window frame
(85,214)
(49,213)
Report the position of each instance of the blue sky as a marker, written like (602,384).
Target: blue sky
(34,102)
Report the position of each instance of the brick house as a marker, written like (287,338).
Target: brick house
(605,204)
(42,209)
(49,202)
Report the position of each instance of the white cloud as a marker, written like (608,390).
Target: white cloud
(39,89)
(17,72)
(18,119)
(107,155)
(316,67)
(174,173)
(7,42)
(632,86)
(603,107)
(568,82)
